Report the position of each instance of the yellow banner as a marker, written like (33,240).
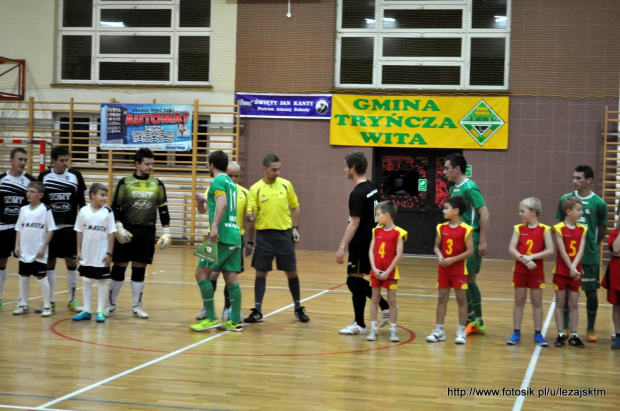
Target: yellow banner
(420,121)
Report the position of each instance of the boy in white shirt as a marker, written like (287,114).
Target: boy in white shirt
(34,230)
(95,229)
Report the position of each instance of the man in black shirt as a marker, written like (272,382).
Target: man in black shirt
(357,237)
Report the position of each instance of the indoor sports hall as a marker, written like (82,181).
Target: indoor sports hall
(525,90)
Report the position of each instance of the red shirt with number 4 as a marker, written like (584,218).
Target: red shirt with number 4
(386,242)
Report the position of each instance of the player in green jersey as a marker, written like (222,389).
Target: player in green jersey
(221,198)
(476,215)
(595,218)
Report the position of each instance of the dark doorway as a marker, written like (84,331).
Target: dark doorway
(414,181)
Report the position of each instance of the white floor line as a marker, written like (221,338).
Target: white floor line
(155,361)
(532,366)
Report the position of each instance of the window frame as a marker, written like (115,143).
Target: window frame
(465,33)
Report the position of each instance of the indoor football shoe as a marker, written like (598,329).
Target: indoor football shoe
(300,314)
(574,341)
(205,324)
(475,327)
(84,315)
(436,336)
(231,326)
(591,336)
(352,329)
(254,317)
(109,309)
(75,306)
(22,309)
(560,341)
(47,311)
(372,335)
(385,317)
(461,337)
(514,340)
(201,314)
(138,312)
(100,317)
(615,345)
(540,340)
(394,335)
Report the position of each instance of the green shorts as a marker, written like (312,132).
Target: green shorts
(228,257)
(591,279)
(474,263)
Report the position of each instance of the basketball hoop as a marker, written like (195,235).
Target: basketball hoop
(12,79)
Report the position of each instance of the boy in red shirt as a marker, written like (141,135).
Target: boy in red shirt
(611,282)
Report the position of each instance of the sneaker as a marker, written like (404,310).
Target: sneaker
(254,317)
(372,335)
(560,341)
(75,306)
(385,317)
(84,315)
(0,302)
(394,335)
(461,337)
(138,312)
(22,309)
(475,327)
(202,314)
(591,336)
(352,329)
(100,317)
(205,324)
(47,311)
(231,326)
(615,345)
(38,309)
(225,314)
(436,336)
(515,339)
(109,309)
(540,340)
(300,314)
(574,341)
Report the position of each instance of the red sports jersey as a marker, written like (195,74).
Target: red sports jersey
(385,248)
(572,239)
(453,243)
(531,241)
(611,279)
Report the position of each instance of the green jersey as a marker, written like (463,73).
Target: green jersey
(594,215)
(228,230)
(473,198)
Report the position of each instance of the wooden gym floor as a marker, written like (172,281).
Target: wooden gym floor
(160,364)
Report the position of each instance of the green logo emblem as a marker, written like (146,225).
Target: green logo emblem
(422,184)
(481,122)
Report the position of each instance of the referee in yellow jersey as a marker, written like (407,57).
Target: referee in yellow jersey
(274,206)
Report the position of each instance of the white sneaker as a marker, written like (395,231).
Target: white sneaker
(394,335)
(353,329)
(47,311)
(22,309)
(202,314)
(461,337)
(372,335)
(385,317)
(38,309)
(109,309)
(225,315)
(139,313)
(436,336)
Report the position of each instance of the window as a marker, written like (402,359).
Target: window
(423,44)
(134,42)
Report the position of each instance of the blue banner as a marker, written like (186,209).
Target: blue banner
(308,106)
(160,127)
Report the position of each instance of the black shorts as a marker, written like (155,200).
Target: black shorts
(35,268)
(7,242)
(359,262)
(96,273)
(274,243)
(63,244)
(140,249)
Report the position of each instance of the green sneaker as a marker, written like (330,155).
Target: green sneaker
(231,326)
(100,317)
(475,327)
(75,306)
(205,324)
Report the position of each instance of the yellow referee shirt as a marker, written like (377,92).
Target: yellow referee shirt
(271,204)
(242,205)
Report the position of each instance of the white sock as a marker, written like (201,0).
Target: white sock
(461,328)
(393,325)
(102,293)
(51,279)
(137,288)
(2,280)
(115,289)
(373,324)
(45,290)
(72,278)
(87,292)
(24,286)
(440,327)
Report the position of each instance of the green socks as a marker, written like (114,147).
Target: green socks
(234,290)
(206,291)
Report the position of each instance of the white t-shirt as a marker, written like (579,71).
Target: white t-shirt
(33,226)
(95,228)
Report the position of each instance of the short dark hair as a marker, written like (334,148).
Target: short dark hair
(586,170)
(457,202)
(17,150)
(96,187)
(270,159)
(37,185)
(387,207)
(143,153)
(358,160)
(457,160)
(219,159)
(59,151)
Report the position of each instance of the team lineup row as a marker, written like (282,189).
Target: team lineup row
(270,210)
